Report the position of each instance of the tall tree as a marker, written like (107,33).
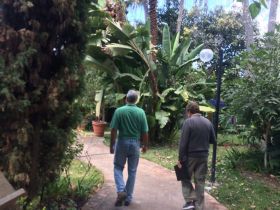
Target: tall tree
(205,5)
(169,15)
(215,27)
(272,15)
(180,16)
(248,25)
(42,44)
(153,17)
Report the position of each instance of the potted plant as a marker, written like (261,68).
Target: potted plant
(98,124)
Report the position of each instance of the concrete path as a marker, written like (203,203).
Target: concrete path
(156,188)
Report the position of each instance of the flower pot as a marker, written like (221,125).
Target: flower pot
(99,128)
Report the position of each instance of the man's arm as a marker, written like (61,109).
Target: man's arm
(212,139)
(184,141)
(113,140)
(144,140)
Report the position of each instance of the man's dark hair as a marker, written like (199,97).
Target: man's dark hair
(192,107)
(131,96)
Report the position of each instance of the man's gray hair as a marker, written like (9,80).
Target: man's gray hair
(132,96)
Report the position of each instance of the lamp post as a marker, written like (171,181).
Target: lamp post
(207,55)
(216,118)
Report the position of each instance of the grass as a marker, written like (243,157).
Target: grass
(165,156)
(85,175)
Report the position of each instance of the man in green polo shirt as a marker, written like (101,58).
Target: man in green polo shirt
(131,123)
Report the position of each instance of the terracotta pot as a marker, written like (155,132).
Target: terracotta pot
(99,128)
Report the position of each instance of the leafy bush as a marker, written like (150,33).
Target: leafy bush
(41,50)
(70,191)
(254,97)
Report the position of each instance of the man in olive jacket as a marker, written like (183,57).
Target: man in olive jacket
(197,134)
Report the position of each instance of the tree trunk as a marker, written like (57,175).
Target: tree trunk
(205,5)
(267,136)
(152,76)
(272,15)
(120,12)
(153,17)
(247,22)
(154,33)
(34,166)
(180,16)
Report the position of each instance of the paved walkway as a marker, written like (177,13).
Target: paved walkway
(156,188)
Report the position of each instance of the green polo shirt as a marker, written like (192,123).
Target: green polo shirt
(130,121)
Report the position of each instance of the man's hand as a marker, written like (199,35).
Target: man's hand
(144,149)
(179,164)
(112,149)
(113,140)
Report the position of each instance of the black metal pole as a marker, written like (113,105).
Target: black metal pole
(216,119)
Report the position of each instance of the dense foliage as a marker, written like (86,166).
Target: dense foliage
(254,96)
(216,29)
(41,50)
(123,56)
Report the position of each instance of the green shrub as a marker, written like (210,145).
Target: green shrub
(42,47)
(70,191)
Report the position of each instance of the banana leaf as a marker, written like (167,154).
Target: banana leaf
(162,117)
(132,76)
(166,43)
(119,49)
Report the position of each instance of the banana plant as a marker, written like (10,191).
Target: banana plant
(123,55)
(176,55)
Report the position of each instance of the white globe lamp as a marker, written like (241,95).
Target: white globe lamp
(206,55)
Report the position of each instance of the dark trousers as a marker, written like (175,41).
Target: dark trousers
(198,170)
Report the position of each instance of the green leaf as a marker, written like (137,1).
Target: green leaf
(102,3)
(255,9)
(178,56)
(132,76)
(175,44)
(119,96)
(171,107)
(119,49)
(166,91)
(186,63)
(166,43)
(194,53)
(179,90)
(146,94)
(164,94)
(263,2)
(96,64)
(185,95)
(183,47)
(162,117)
(118,31)
(98,98)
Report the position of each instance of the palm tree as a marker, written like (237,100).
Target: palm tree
(247,22)
(180,16)
(205,5)
(272,15)
(153,17)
